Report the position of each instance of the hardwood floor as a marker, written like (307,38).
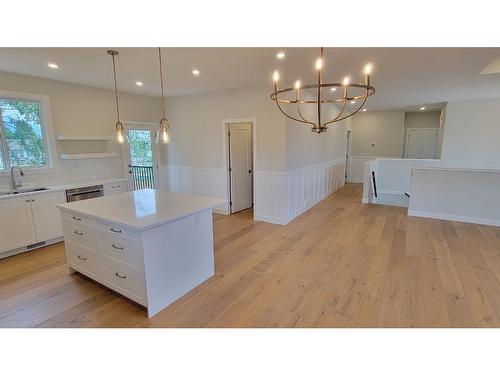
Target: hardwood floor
(341,264)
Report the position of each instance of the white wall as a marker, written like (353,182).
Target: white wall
(472,134)
(196,162)
(82,110)
(471,196)
(384,129)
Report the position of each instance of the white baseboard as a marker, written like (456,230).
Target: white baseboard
(460,218)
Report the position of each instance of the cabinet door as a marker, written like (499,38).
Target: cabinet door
(16,223)
(46,215)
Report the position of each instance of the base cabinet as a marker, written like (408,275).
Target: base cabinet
(46,216)
(16,224)
(29,219)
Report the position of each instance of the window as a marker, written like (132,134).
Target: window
(22,137)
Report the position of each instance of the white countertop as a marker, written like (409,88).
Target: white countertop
(143,209)
(71,185)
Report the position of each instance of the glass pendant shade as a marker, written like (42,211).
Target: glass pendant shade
(120,135)
(164,134)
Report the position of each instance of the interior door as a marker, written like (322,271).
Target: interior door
(141,156)
(421,143)
(240,166)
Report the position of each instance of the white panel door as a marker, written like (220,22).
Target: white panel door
(421,143)
(46,215)
(240,163)
(16,223)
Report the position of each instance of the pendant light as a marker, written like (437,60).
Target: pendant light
(120,136)
(164,134)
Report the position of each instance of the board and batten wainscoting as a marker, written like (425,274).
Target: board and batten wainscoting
(280,196)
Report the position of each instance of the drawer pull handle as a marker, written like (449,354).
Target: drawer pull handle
(78,233)
(115,230)
(77,218)
(82,258)
(120,276)
(117,247)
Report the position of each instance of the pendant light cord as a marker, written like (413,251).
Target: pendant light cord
(161,85)
(116,89)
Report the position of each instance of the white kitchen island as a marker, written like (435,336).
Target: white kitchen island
(151,246)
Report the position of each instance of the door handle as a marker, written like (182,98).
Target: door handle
(249,171)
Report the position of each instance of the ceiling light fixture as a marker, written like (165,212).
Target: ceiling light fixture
(286,96)
(364,110)
(138,83)
(280,55)
(163,135)
(333,89)
(53,66)
(422,108)
(196,72)
(119,131)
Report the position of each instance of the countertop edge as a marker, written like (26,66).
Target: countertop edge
(135,227)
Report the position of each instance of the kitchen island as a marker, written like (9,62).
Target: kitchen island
(151,246)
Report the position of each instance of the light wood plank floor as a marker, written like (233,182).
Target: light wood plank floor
(341,264)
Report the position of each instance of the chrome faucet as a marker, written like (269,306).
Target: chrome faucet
(16,183)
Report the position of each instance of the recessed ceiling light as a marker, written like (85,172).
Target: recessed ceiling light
(363,110)
(333,89)
(196,72)
(422,108)
(280,55)
(52,65)
(138,83)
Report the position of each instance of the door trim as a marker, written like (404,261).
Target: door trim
(225,157)
(156,150)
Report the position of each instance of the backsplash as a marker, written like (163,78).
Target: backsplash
(70,171)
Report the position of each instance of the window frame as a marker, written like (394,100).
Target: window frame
(47,132)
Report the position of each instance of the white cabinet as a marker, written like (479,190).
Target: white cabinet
(115,188)
(16,223)
(46,215)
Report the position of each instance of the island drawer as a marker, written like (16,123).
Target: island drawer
(124,279)
(80,234)
(75,218)
(107,229)
(124,251)
(82,259)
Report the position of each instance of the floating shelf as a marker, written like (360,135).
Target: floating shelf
(89,155)
(64,137)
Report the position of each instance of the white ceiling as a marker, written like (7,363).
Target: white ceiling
(403,77)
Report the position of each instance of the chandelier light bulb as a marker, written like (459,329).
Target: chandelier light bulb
(346,81)
(276,76)
(368,69)
(319,63)
(297,84)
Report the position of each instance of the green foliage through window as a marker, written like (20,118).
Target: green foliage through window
(22,134)
(140,147)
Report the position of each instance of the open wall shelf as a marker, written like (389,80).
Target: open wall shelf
(64,137)
(89,155)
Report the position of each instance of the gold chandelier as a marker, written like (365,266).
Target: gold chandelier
(353,94)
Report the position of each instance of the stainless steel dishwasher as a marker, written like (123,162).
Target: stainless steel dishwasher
(87,192)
